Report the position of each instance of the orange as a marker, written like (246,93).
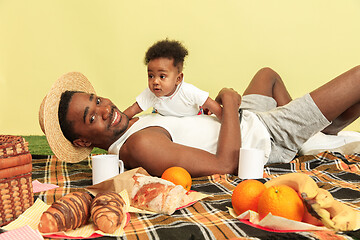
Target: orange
(246,195)
(282,201)
(178,176)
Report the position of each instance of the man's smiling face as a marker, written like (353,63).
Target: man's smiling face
(96,120)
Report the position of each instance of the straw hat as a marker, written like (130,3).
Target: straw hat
(49,120)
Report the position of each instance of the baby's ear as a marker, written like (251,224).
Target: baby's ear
(81,143)
(179,78)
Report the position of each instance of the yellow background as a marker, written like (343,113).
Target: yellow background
(307,42)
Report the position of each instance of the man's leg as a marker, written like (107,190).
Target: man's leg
(339,100)
(267,82)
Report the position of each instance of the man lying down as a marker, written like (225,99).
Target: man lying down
(74,120)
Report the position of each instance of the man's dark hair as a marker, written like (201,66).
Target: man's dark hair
(170,49)
(66,126)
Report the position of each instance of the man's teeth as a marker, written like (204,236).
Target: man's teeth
(115,117)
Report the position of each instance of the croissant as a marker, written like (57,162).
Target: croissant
(69,212)
(156,194)
(108,211)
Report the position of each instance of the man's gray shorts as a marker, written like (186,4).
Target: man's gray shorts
(290,126)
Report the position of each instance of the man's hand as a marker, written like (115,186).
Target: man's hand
(228,94)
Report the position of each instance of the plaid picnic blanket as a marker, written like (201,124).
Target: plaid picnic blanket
(210,218)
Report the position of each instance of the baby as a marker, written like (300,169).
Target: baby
(167,93)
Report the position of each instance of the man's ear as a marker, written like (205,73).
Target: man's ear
(179,78)
(81,143)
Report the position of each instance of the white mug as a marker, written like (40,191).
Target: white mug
(106,166)
(251,163)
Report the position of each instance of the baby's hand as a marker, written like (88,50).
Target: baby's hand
(207,111)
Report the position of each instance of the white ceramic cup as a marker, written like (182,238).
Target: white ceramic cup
(251,163)
(106,166)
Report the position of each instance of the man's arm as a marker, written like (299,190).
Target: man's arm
(152,148)
(229,141)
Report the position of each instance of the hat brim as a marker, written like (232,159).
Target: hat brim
(63,149)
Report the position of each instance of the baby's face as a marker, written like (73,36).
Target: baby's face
(163,77)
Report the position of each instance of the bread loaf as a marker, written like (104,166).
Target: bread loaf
(69,212)
(108,211)
(156,194)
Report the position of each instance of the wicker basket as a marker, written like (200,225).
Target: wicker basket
(12,146)
(16,192)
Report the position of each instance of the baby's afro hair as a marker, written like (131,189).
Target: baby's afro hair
(170,49)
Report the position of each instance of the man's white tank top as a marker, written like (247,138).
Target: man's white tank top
(201,131)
